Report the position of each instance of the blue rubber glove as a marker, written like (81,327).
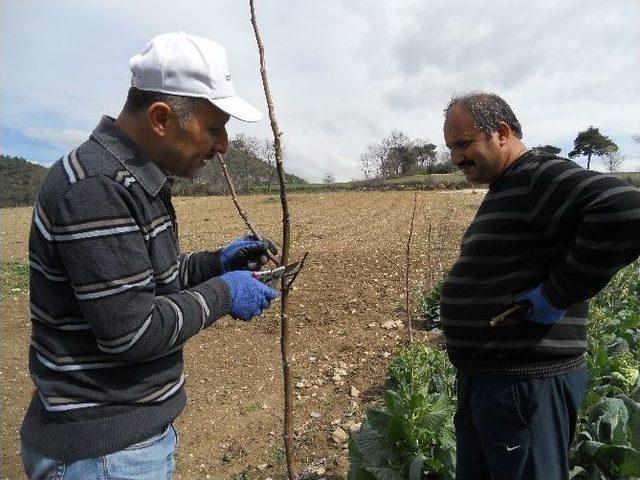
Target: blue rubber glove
(246,253)
(539,309)
(249,297)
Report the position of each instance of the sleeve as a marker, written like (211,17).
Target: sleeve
(598,216)
(104,251)
(197,267)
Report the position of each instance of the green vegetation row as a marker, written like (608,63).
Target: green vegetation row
(412,436)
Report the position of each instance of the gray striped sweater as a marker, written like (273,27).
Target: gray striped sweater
(545,220)
(112,301)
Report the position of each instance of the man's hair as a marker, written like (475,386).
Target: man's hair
(487,111)
(139,100)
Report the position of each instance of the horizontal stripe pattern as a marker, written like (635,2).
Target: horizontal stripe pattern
(109,316)
(485,323)
(546,220)
(50,273)
(62,404)
(518,344)
(62,363)
(60,323)
(113,287)
(167,276)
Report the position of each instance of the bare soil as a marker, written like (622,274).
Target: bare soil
(352,283)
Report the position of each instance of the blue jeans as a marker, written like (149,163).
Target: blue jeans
(151,459)
(516,428)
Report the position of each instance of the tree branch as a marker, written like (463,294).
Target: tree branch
(244,216)
(407,269)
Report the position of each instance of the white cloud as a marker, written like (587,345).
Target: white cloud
(66,139)
(342,73)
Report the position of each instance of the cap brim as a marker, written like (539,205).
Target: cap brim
(238,108)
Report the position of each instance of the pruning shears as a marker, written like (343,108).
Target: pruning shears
(269,276)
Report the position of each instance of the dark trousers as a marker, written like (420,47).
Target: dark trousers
(516,428)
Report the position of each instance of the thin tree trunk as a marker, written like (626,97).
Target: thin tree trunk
(286,228)
(407,270)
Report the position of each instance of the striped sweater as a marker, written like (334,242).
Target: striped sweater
(545,220)
(112,301)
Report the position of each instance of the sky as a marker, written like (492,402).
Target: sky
(343,73)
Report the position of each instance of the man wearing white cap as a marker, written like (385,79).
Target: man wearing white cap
(113,300)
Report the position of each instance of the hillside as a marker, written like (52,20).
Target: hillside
(250,174)
(19,181)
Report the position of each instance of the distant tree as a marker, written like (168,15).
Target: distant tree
(425,153)
(443,161)
(371,160)
(636,138)
(396,155)
(552,149)
(592,142)
(267,153)
(397,159)
(328,178)
(247,163)
(612,161)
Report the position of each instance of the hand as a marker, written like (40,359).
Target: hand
(538,309)
(246,253)
(249,297)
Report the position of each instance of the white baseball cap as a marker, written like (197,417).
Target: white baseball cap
(190,66)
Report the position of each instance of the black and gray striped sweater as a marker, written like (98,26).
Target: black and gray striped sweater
(112,301)
(545,220)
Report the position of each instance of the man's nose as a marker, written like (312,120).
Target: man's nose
(221,142)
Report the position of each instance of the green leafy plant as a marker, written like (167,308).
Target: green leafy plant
(413,436)
(607,444)
(429,304)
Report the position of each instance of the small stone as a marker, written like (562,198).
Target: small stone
(263,466)
(354,392)
(336,378)
(372,325)
(388,325)
(315,415)
(340,371)
(339,436)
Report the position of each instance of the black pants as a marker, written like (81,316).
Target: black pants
(514,429)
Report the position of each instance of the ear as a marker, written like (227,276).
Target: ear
(160,118)
(504,133)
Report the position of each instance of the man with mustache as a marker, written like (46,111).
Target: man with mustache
(113,299)
(548,236)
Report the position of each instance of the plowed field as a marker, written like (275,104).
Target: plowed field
(350,286)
